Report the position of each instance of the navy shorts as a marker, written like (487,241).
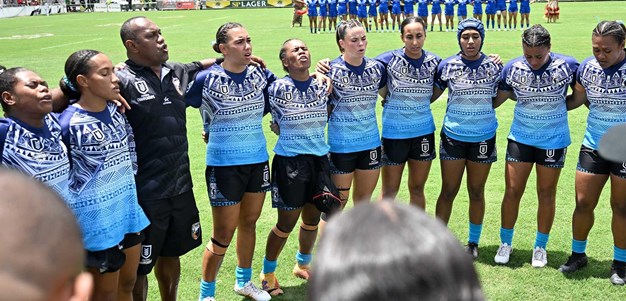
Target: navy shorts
(481,152)
(295,180)
(112,259)
(398,151)
(343,163)
(519,152)
(227,184)
(590,161)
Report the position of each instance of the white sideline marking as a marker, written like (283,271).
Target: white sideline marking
(67,44)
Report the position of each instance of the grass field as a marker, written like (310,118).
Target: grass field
(43,43)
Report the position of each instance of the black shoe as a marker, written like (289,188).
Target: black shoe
(574,263)
(472,249)
(618,272)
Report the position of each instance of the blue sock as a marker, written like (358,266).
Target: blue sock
(269,266)
(541,240)
(474,232)
(243,275)
(579,246)
(493,24)
(619,254)
(303,259)
(506,236)
(207,289)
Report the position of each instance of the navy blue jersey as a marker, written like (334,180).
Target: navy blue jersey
(540,117)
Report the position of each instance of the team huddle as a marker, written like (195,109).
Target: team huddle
(125,173)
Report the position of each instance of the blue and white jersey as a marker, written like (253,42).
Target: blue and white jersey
(540,116)
(408,6)
(524,6)
(436,8)
(323,8)
(300,109)
(352,124)
(38,152)
(470,116)
(312,8)
(102,176)
(422,8)
(372,12)
(490,8)
(395,7)
(235,104)
(361,8)
(462,10)
(606,92)
(341,7)
(410,82)
(478,7)
(449,7)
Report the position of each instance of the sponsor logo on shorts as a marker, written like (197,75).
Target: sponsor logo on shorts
(195,231)
(146,254)
(213,190)
(550,156)
(266,176)
(482,150)
(141,86)
(425,148)
(373,157)
(623,170)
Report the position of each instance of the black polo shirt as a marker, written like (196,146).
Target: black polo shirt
(158,119)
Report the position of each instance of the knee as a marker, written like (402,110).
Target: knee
(476,193)
(223,236)
(619,208)
(447,195)
(546,194)
(584,205)
(513,193)
(127,284)
(416,189)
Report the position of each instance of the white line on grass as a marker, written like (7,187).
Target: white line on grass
(67,44)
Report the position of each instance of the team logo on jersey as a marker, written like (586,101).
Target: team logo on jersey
(266,176)
(195,231)
(373,157)
(176,83)
(482,150)
(345,80)
(166,101)
(141,86)
(146,254)
(523,79)
(36,144)
(404,70)
(288,95)
(224,89)
(550,155)
(98,135)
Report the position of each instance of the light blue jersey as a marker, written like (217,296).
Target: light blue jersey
(102,176)
(540,116)
(352,124)
(235,104)
(300,110)
(470,116)
(38,152)
(410,82)
(606,92)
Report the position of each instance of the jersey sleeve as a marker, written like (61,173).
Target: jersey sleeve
(132,147)
(4,129)
(439,81)
(503,75)
(271,78)
(385,57)
(193,96)
(573,65)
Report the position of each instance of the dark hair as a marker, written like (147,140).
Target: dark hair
(611,28)
(283,51)
(126,32)
(536,36)
(75,65)
(391,251)
(8,80)
(343,27)
(410,20)
(221,36)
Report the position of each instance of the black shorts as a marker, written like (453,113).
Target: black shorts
(343,163)
(589,161)
(482,152)
(398,151)
(295,180)
(227,184)
(112,259)
(519,152)
(174,229)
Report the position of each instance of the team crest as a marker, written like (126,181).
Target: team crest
(141,86)
(373,157)
(345,80)
(224,89)
(404,70)
(288,95)
(550,155)
(176,83)
(98,135)
(36,144)
(266,176)
(195,231)
(146,251)
(425,146)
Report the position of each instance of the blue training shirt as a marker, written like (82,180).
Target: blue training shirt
(470,116)
(540,116)
(410,82)
(102,176)
(38,152)
(352,125)
(606,92)
(300,110)
(235,104)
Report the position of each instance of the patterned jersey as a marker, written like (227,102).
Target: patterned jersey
(352,124)
(102,182)
(406,113)
(38,152)
(470,116)
(300,110)
(606,92)
(540,116)
(235,104)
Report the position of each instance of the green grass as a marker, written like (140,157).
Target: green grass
(189,35)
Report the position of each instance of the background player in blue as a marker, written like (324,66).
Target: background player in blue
(524,10)
(539,135)
(299,107)
(323,15)
(469,126)
(490,11)
(408,126)
(30,137)
(332,15)
(396,13)
(352,10)
(449,14)
(422,11)
(408,8)
(102,184)
(342,10)
(312,14)
(373,15)
(462,9)
(478,9)
(361,6)
(513,15)
(600,81)
(237,172)
(501,12)
(383,13)
(435,11)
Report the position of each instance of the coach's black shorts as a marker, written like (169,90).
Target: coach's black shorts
(342,163)
(481,152)
(295,179)
(519,152)
(227,184)
(174,229)
(590,161)
(112,259)
(398,151)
